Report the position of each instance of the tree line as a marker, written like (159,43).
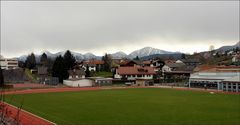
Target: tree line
(61,64)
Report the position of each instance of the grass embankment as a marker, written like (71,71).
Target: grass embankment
(139,106)
(32,77)
(103,74)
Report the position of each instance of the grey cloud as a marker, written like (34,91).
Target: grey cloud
(86,26)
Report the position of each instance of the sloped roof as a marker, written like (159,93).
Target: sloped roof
(147,62)
(94,62)
(175,65)
(213,68)
(76,72)
(137,70)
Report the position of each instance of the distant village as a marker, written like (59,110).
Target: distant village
(209,70)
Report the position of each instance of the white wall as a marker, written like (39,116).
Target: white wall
(166,68)
(78,83)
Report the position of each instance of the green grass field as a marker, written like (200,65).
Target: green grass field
(139,106)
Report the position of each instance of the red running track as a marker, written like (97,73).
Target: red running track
(46,90)
(23,117)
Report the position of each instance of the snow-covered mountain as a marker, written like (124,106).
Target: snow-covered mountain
(147,51)
(89,56)
(119,54)
(144,52)
(22,58)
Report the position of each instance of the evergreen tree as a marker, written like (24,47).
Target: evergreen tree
(87,71)
(44,59)
(59,69)
(183,56)
(136,58)
(69,60)
(107,62)
(1,77)
(30,61)
(237,49)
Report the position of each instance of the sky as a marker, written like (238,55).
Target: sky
(112,26)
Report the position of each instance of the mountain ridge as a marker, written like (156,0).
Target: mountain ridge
(143,52)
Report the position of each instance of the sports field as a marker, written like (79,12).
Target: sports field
(135,106)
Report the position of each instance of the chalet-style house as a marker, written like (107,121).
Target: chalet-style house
(77,79)
(134,72)
(94,65)
(131,63)
(76,73)
(157,64)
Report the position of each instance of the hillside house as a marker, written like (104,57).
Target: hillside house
(191,62)
(236,58)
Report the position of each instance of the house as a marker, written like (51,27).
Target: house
(42,74)
(157,64)
(91,67)
(169,61)
(94,65)
(236,58)
(147,63)
(216,78)
(8,63)
(166,68)
(134,72)
(131,63)
(174,66)
(76,73)
(101,81)
(42,71)
(230,52)
(191,62)
(77,79)
(176,72)
(179,61)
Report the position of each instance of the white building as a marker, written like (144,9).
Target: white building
(236,58)
(220,78)
(135,72)
(78,82)
(166,68)
(179,61)
(8,63)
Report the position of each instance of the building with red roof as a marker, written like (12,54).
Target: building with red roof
(134,72)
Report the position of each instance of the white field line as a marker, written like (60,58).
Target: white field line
(31,114)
